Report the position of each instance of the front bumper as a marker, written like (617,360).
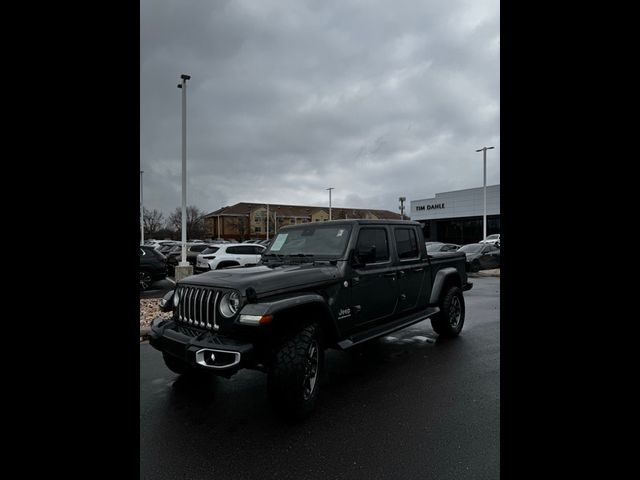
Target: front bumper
(201,348)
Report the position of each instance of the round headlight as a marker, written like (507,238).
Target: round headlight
(176,298)
(230,304)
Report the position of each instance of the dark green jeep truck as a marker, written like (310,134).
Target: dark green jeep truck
(324,285)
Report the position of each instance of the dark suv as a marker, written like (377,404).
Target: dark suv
(332,284)
(153,266)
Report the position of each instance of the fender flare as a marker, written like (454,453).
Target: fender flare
(444,276)
(282,305)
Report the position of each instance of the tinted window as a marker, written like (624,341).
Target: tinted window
(257,249)
(240,250)
(374,237)
(406,243)
(209,250)
(198,248)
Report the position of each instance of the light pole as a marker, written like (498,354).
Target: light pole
(330,188)
(484,216)
(141,211)
(402,200)
(183,86)
(267,221)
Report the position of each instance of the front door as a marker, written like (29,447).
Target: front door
(374,290)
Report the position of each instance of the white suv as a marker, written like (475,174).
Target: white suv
(228,255)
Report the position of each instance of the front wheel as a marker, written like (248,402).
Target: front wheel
(145,280)
(449,321)
(293,380)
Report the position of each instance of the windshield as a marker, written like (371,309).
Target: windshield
(471,248)
(321,241)
(434,247)
(210,250)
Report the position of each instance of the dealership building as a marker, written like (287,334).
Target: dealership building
(456,217)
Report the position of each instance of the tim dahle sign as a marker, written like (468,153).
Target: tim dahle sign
(430,207)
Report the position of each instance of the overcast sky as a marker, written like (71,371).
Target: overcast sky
(376,98)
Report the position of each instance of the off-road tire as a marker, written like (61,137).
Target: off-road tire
(449,320)
(294,375)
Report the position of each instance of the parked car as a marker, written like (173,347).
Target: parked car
(441,247)
(492,239)
(153,266)
(481,256)
(228,255)
(175,255)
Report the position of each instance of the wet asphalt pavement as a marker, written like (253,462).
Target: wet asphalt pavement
(409,406)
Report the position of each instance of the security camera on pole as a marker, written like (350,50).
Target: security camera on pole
(184,268)
(402,200)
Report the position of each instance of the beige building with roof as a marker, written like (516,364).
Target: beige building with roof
(244,221)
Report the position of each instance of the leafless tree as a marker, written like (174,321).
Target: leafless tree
(195,222)
(153,222)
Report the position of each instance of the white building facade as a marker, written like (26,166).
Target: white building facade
(456,217)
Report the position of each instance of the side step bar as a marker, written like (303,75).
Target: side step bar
(387,328)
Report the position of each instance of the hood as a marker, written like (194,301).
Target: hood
(264,279)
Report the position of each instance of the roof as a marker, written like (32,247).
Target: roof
(245,208)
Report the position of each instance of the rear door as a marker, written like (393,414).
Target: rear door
(411,273)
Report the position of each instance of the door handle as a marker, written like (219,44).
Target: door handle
(401,273)
(391,275)
(418,269)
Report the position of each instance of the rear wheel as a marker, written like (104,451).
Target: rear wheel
(293,381)
(449,321)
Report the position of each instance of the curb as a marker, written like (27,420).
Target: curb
(485,273)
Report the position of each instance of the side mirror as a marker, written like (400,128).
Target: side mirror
(363,256)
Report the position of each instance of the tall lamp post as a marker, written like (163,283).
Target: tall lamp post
(183,86)
(141,211)
(330,188)
(402,200)
(484,216)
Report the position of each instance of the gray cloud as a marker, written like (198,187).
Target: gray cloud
(377,99)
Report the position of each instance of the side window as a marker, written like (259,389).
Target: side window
(406,243)
(258,250)
(374,237)
(234,250)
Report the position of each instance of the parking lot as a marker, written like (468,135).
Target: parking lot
(407,406)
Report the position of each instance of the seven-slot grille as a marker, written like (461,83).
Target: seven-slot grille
(198,306)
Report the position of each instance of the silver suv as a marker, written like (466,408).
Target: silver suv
(228,255)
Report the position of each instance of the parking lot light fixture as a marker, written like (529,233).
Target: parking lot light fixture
(484,215)
(183,86)
(330,188)
(141,211)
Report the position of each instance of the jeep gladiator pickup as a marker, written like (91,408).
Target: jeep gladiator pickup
(332,284)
